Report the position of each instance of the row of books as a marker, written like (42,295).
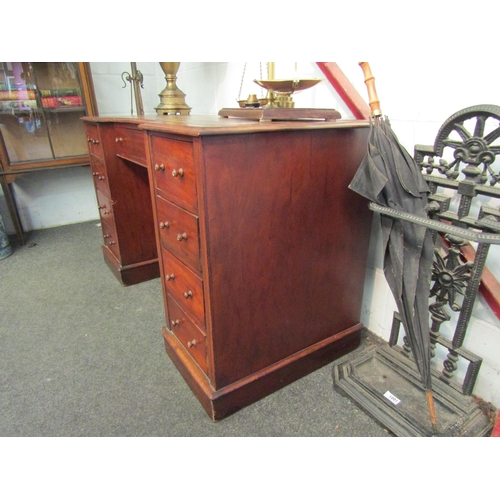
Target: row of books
(18,95)
(47,102)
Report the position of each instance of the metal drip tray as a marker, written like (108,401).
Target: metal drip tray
(385,384)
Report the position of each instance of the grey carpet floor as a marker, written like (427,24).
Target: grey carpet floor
(80,355)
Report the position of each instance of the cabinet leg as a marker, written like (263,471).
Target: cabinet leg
(11,204)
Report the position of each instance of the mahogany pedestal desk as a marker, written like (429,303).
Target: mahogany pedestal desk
(262,249)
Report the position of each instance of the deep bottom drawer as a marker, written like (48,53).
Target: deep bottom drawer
(190,336)
(110,239)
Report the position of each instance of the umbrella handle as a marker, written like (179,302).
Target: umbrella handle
(372,92)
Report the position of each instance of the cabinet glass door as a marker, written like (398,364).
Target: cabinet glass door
(41,104)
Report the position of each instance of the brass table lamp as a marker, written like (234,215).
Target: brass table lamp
(172,99)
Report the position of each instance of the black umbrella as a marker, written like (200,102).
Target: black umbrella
(389,176)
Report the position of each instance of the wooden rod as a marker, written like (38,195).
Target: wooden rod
(432,412)
(372,92)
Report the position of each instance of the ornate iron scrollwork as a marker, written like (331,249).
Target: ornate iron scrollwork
(459,167)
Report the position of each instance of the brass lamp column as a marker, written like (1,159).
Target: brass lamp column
(172,99)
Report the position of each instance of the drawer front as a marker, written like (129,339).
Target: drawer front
(189,335)
(130,144)
(105,206)
(178,232)
(174,174)
(99,175)
(94,141)
(110,239)
(184,286)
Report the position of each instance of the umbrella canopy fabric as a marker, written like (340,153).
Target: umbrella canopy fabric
(389,176)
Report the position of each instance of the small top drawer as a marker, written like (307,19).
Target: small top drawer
(94,140)
(174,172)
(130,144)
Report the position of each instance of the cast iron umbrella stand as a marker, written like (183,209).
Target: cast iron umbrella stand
(388,381)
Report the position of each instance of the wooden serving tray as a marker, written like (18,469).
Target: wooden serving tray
(269,114)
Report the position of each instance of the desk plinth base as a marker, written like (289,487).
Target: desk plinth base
(377,378)
(228,400)
(133,274)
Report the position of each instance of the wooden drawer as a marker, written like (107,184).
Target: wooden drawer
(105,206)
(189,335)
(184,286)
(174,173)
(94,141)
(130,145)
(99,175)
(110,239)
(178,230)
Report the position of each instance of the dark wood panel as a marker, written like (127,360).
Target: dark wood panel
(287,241)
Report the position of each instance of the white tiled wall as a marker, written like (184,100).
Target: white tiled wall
(418,97)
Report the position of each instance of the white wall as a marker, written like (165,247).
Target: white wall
(417,101)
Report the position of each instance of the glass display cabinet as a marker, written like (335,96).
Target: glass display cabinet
(41,106)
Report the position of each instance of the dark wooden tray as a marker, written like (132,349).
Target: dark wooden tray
(269,114)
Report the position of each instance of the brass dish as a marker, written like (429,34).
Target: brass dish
(257,104)
(288,86)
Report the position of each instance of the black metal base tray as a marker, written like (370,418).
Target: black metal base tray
(381,370)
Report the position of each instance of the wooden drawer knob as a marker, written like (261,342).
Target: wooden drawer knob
(119,139)
(179,172)
(192,343)
(182,236)
(175,323)
(164,225)
(159,167)
(169,277)
(188,294)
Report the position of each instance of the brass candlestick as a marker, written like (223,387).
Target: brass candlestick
(172,99)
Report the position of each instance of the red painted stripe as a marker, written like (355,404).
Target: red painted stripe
(356,104)
(496,428)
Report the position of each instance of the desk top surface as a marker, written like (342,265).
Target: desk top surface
(197,125)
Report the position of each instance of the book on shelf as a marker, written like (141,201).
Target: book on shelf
(59,92)
(67,101)
(16,95)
